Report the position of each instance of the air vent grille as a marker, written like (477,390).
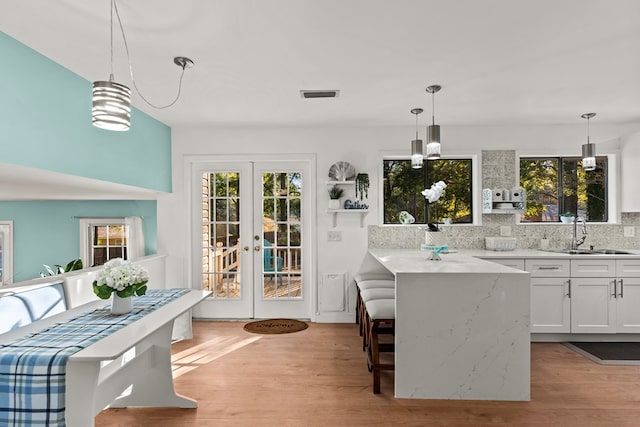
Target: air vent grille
(319,93)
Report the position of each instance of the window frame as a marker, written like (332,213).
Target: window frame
(476,206)
(86,227)
(612,190)
(6,228)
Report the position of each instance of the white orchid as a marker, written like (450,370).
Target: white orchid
(433,194)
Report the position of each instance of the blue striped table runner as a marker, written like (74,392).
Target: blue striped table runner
(32,368)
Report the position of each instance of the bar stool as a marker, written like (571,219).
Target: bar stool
(369,284)
(381,318)
(367,295)
(360,278)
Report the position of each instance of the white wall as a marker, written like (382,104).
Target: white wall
(362,147)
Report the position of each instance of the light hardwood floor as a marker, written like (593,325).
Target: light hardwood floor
(318,377)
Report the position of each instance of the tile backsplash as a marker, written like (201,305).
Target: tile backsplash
(499,171)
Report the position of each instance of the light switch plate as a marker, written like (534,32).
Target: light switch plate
(334,236)
(505,230)
(629,231)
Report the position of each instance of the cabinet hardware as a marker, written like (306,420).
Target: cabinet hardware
(246,248)
(256,248)
(621,289)
(615,289)
(548,268)
(569,288)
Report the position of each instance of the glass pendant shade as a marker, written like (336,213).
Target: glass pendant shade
(111,106)
(588,149)
(588,156)
(433,142)
(416,154)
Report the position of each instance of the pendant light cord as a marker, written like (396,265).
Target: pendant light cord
(111,39)
(126,47)
(433,108)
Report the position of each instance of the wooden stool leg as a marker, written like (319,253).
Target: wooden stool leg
(375,355)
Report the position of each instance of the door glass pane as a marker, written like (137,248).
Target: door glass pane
(281,225)
(221,234)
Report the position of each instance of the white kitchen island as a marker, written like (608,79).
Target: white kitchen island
(462,327)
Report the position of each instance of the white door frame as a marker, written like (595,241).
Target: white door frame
(193,163)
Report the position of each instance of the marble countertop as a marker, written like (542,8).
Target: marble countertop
(536,253)
(416,261)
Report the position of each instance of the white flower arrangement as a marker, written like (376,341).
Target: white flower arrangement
(433,194)
(122,277)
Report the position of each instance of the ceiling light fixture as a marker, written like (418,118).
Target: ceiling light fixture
(588,149)
(433,131)
(417,156)
(112,101)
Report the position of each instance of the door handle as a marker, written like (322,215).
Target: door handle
(246,248)
(569,288)
(256,248)
(615,289)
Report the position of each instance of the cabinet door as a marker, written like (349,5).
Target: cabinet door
(628,305)
(550,305)
(593,305)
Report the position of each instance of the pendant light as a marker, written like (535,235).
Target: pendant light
(433,131)
(588,149)
(417,156)
(111,101)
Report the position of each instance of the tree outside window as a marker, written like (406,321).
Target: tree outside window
(555,185)
(403,186)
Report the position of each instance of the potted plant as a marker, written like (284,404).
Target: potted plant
(567,217)
(362,186)
(335,193)
(123,279)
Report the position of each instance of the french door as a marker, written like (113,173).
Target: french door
(250,239)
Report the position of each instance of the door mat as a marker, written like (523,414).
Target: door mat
(609,353)
(275,326)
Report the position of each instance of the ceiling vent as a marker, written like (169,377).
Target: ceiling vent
(319,93)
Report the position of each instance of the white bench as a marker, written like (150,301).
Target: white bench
(136,356)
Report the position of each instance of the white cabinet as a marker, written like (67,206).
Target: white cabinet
(605,296)
(628,295)
(550,295)
(593,305)
(598,295)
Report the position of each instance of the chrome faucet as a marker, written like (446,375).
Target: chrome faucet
(575,242)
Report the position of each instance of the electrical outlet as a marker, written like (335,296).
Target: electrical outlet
(334,236)
(629,231)
(505,230)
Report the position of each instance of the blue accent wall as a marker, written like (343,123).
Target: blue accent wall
(48,232)
(45,123)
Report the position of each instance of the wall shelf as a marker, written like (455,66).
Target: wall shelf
(335,212)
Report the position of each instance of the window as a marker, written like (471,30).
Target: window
(555,185)
(403,186)
(102,239)
(6,252)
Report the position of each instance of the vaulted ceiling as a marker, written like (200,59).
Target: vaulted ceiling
(499,61)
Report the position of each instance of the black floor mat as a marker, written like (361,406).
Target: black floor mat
(623,351)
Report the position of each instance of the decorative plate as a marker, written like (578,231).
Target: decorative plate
(342,171)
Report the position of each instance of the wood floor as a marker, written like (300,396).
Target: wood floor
(318,377)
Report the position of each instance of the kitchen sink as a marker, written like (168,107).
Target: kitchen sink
(589,251)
